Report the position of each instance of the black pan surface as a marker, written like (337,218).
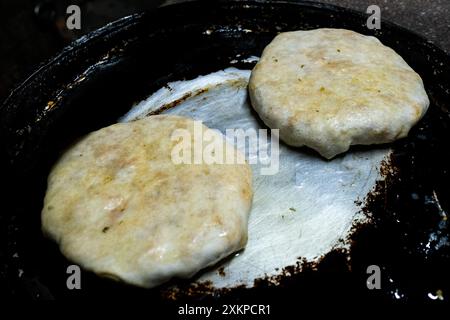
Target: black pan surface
(99,77)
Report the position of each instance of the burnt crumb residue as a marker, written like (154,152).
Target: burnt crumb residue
(287,272)
(170,105)
(337,257)
(180,289)
(408,234)
(388,172)
(221,271)
(235,83)
(105,229)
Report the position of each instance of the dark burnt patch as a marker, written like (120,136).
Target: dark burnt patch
(176,102)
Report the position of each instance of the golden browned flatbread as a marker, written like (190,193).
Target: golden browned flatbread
(118,205)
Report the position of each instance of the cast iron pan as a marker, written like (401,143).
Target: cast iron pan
(98,78)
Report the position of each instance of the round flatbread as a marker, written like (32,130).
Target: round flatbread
(118,205)
(331,88)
